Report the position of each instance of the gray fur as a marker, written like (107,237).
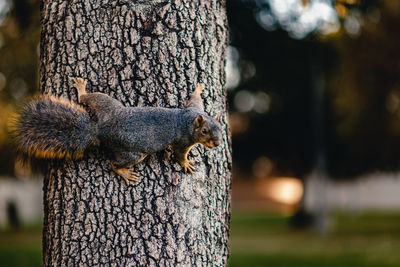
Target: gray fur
(133,133)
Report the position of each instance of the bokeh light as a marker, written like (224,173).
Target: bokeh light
(286,190)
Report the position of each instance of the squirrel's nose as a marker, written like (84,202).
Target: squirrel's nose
(216,142)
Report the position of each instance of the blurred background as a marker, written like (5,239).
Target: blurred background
(314,98)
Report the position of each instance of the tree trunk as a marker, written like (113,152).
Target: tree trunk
(143,53)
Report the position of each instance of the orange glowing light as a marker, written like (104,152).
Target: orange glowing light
(341,10)
(286,190)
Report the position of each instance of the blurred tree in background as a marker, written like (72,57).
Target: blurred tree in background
(283,52)
(19,40)
(365,95)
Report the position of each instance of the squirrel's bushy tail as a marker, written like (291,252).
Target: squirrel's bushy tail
(51,128)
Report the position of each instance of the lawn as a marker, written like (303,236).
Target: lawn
(362,240)
(259,239)
(21,247)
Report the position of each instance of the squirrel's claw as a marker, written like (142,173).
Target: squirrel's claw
(132,176)
(127,174)
(79,82)
(80,85)
(188,166)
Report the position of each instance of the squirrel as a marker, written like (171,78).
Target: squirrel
(55,128)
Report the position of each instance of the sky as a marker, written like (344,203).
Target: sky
(297,18)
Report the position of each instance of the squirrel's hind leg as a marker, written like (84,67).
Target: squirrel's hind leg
(123,165)
(100,104)
(80,85)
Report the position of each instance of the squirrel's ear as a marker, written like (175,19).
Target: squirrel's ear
(218,117)
(199,121)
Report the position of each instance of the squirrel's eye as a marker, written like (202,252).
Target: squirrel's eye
(204,131)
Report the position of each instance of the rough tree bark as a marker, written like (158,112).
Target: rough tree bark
(143,53)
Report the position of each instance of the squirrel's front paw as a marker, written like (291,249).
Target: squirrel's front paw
(188,166)
(127,175)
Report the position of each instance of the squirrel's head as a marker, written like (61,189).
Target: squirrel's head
(207,130)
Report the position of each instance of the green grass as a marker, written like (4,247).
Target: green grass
(21,247)
(259,239)
(267,240)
